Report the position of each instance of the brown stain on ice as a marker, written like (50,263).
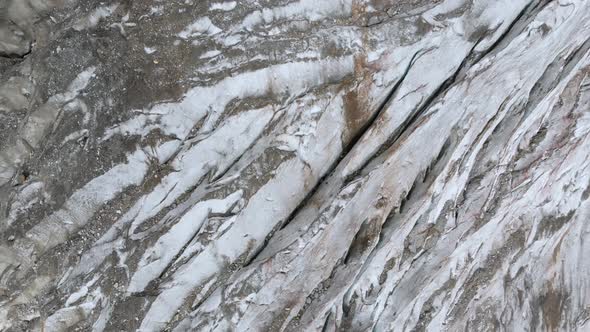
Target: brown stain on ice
(356,112)
(552,305)
(353,113)
(358,9)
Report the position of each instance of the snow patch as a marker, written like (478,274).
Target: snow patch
(201,26)
(224,6)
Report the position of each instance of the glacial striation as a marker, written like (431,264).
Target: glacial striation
(295,165)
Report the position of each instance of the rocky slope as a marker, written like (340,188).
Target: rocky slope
(295,165)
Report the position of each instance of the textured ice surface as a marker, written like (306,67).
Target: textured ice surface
(295,165)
